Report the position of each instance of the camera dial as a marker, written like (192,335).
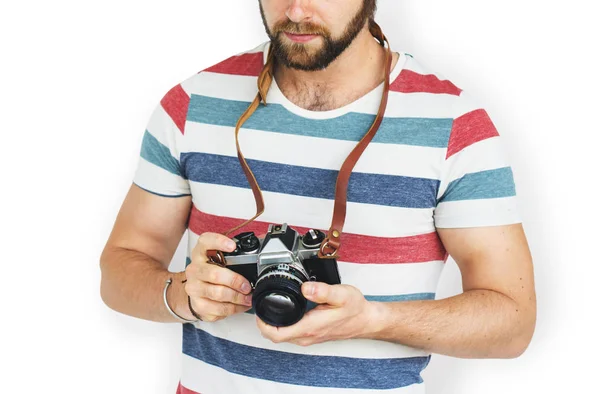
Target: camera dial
(248,242)
(313,238)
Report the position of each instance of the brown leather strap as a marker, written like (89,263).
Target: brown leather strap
(331,243)
(264,81)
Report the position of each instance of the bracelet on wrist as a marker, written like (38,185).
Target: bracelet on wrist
(171,311)
(192,309)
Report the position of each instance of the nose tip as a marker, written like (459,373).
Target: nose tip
(297,12)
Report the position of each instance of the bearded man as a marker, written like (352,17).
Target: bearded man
(430,181)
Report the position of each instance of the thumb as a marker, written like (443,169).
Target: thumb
(322,293)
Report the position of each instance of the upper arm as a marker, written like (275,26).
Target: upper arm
(494,258)
(476,215)
(150,224)
(155,212)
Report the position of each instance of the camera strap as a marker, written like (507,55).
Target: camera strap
(330,245)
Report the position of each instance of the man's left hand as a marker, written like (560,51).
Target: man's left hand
(344,313)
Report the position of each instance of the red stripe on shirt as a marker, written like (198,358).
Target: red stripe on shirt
(249,64)
(468,129)
(361,249)
(184,390)
(176,103)
(411,82)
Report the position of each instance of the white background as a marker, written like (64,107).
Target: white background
(79,80)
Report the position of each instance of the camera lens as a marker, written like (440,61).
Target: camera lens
(277,298)
(279,303)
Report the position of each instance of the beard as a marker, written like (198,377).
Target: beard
(301,56)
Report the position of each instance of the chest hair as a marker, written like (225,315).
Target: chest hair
(318,97)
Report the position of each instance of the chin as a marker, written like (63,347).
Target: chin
(301,61)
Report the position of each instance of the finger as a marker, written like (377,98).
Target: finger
(200,289)
(264,327)
(322,293)
(206,307)
(225,294)
(211,318)
(269,332)
(305,328)
(305,341)
(225,277)
(212,241)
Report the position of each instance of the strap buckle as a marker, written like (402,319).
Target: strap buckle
(216,257)
(331,253)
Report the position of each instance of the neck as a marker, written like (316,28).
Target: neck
(359,69)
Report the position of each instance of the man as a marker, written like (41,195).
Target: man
(433,182)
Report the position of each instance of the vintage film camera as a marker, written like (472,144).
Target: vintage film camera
(276,266)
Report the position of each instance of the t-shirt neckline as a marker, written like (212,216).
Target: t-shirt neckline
(276,95)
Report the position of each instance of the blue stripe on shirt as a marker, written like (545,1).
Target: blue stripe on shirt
(158,154)
(378,189)
(302,369)
(427,132)
(481,185)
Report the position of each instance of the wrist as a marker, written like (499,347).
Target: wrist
(375,319)
(177,296)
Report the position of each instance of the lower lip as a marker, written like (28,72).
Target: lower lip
(301,37)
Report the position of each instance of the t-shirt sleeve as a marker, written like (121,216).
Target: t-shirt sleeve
(477,187)
(159,170)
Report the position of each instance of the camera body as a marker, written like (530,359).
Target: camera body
(276,266)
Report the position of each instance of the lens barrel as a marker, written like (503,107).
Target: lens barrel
(277,299)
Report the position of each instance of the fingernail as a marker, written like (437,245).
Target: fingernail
(248,300)
(310,289)
(245,287)
(230,244)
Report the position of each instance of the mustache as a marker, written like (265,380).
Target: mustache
(300,28)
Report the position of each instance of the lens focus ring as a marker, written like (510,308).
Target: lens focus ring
(277,298)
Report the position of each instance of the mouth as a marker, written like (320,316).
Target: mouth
(301,38)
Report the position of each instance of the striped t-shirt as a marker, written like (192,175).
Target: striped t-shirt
(436,161)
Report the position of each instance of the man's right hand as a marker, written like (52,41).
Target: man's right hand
(215,292)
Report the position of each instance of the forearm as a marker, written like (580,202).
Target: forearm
(474,324)
(133,283)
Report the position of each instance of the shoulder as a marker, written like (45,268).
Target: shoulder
(431,94)
(418,77)
(239,70)
(235,75)
(247,63)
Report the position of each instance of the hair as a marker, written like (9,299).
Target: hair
(373,5)
(265,77)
